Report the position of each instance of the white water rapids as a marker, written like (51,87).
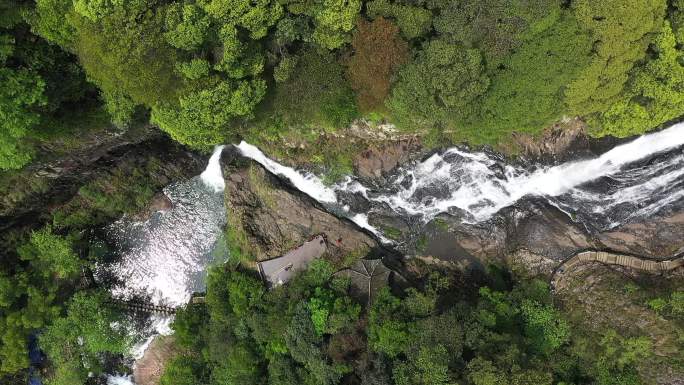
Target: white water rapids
(477,185)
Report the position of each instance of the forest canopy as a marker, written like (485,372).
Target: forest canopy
(210,71)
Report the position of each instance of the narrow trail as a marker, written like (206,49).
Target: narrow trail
(614,259)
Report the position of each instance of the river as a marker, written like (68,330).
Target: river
(631,181)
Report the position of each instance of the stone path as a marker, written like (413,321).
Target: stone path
(280,270)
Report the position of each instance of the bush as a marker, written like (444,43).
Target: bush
(378,53)
(316,94)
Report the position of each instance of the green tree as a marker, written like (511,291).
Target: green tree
(496,27)
(187,26)
(621,32)
(413,21)
(332,20)
(317,93)
(50,255)
(527,94)
(677,303)
(303,343)
(89,328)
(544,326)
(428,367)
(241,367)
(653,95)
(284,69)
(125,52)
(483,372)
(244,293)
(204,117)
(388,332)
(49,20)
(255,16)
(180,371)
(195,69)
(456,80)
(20,95)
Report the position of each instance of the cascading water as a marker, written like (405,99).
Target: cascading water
(165,258)
(630,181)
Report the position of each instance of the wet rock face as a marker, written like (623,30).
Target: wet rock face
(658,238)
(275,219)
(546,231)
(535,232)
(378,160)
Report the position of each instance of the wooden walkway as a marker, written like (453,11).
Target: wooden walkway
(614,259)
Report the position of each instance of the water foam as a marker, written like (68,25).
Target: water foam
(477,185)
(480,185)
(212,175)
(305,182)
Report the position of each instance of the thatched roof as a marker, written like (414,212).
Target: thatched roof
(368,276)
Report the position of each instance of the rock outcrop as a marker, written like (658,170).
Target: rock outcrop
(149,369)
(272,218)
(555,141)
(55,181)
(379,159)
(534,232)
(596,298)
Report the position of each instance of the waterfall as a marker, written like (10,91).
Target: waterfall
(305,182)
(212,175)
(166,256)
(632,180)
(480,185)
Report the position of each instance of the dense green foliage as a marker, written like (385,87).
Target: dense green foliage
(39,82)
(30,295)
(285,74)
(211,71)
(311,331)
(35,295)
(74,342)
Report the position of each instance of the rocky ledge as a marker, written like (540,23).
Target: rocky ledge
(269,218)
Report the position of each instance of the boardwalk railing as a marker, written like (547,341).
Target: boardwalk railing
(623,260)
(615,259)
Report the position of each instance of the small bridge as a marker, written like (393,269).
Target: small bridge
(142,307)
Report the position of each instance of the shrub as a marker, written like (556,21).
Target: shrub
(378,53)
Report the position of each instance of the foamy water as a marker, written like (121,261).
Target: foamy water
(212,175)
(477,185)
(166,257)
(305,182)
